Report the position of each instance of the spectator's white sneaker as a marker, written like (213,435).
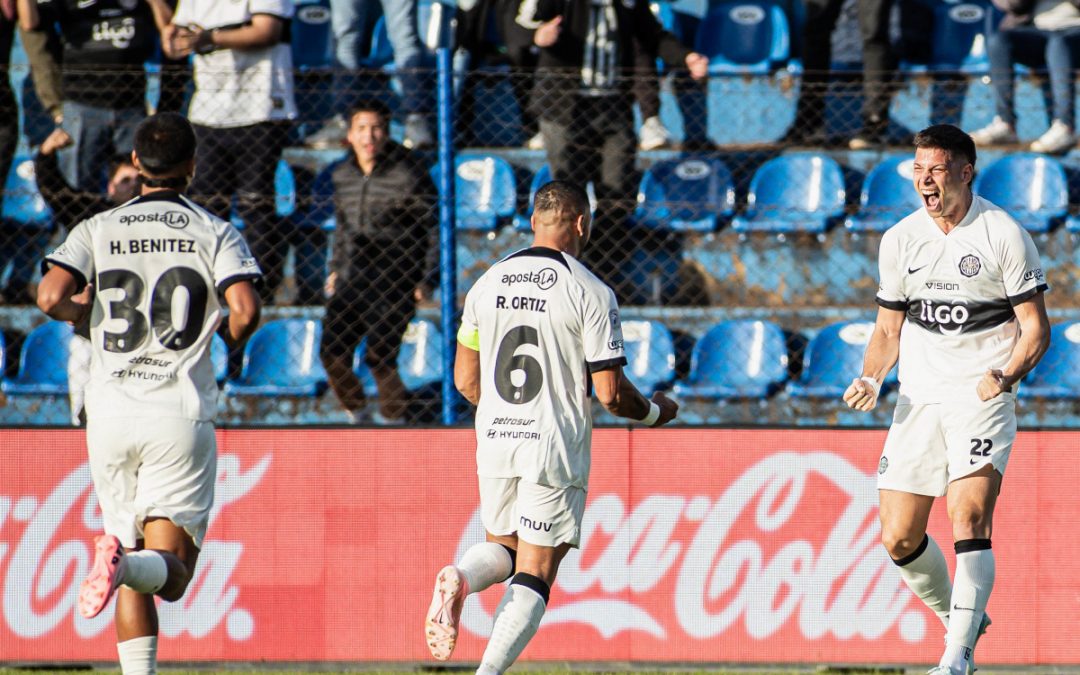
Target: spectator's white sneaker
(536,142)
(330,136)
(996,133)
(384,421)
(653,134)
(1059,138)
(418,133)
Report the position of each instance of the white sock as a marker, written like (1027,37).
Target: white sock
(516,620)
(485,564)
(974,580)
(138,656)
(927,575)
(145,571)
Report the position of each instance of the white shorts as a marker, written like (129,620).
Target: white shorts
(144,468)
(541,515)
(931,445)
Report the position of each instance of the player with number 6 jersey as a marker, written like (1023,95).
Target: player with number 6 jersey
(149,273)
(539,333)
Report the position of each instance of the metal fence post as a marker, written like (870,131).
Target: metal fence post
(447,242)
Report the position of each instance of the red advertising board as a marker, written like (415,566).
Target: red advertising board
(699,545)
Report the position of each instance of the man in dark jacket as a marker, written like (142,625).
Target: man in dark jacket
(583,98)
(383,261)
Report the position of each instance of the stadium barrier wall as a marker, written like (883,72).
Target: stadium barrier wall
(698,546)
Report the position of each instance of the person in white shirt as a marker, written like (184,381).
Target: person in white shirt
(961,308)
(148,273)
(537,329)
(242,110)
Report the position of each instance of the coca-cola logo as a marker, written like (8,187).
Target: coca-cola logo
(831,582)
(41,583)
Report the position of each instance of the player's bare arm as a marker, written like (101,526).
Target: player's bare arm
(882,353)
(467,373)
(620,397)
(28,14)
(57,296)
(1033,342)
(244,310)
(162,11)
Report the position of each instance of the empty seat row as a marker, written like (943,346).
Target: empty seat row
(280,359)
(734,359)
(797,192)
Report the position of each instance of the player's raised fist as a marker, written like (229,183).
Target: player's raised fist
(669,409)
(862,394)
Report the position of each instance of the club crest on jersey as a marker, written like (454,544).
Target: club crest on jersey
(970,265)
(883,465)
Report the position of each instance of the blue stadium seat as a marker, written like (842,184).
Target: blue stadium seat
(689,194)
(419,361)
(43,362)
(745,37)
(960,31)
(650,354)
(219,357)
(22,203)
(486,191)
(1057,376)
(737,359)
(800,192)
(1032,188)
(887,196)
(282,359)
(382,53)
(312,36)
(833,357)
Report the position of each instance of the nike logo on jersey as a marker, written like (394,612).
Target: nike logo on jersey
(965,609)
(972,462)
(914,270)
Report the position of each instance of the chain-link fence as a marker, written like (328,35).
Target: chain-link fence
(739,231)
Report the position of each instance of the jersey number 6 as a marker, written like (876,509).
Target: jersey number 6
(507,362)
(161,309)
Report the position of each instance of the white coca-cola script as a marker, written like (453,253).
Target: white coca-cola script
(42,568)
(836,582)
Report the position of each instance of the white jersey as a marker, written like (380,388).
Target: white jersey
(542,323)
(157,264)
(240,87)
(958,292)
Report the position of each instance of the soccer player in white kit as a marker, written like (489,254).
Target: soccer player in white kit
(149,273)
(538,326)
(961,306)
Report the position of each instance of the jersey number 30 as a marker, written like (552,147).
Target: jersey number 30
(161,309)
(508,362)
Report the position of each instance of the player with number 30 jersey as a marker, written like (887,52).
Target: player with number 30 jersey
(147,274)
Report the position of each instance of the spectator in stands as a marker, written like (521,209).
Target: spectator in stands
(241,110)
(879,63)
(104,46)
(384,261)
(582,94)
(44,51)
(1036,33)
(353,22)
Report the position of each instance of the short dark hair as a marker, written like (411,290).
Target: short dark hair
(120,159)
(569,199)
(164,142)
(953,140)
(373,106)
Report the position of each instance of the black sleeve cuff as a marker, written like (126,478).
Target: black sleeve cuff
(255,279)
(892,304)
(80,278)
(607,364)
(1015,300)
